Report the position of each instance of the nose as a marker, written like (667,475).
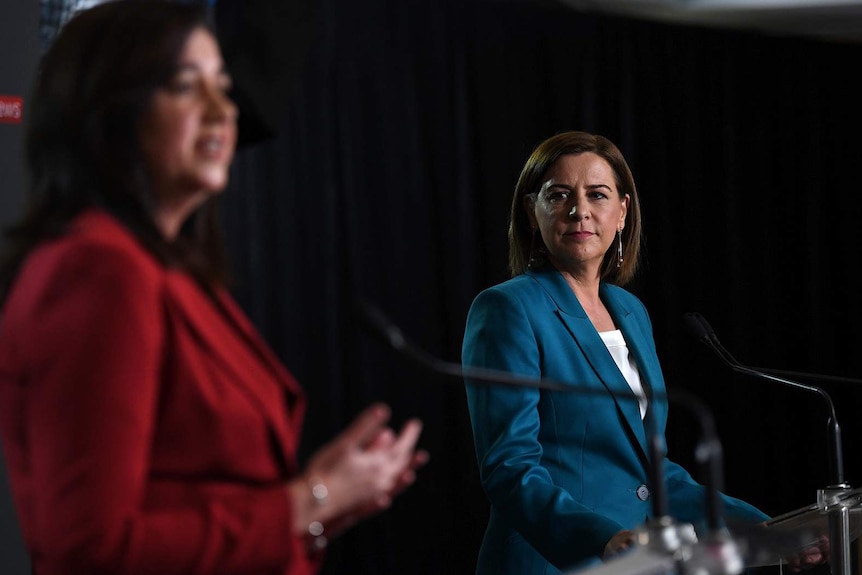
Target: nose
(220,106)
(578,210)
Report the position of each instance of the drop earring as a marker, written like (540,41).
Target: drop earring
(619,248)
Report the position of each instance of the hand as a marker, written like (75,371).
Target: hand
(816,554)
(619,543)
(363,468)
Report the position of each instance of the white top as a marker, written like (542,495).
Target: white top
(616,344)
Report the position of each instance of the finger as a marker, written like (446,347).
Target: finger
(420,459)
(383,440)
(404,480)
(409,435)
(366,426)
(383,501)
(408,475)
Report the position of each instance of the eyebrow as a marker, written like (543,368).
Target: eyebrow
(193,67)
(571,189)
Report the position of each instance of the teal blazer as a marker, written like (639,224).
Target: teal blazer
(566,471)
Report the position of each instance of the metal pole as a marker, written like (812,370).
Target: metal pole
(830,500)
(839,541)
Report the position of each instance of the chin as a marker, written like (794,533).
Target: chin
(217,189)
(214,183)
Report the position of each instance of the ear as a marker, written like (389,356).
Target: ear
(624,210)
(530,208)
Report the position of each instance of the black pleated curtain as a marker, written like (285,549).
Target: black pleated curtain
(388,180)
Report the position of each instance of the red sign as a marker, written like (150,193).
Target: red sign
(11,109)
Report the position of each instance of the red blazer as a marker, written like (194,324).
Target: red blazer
(146,428)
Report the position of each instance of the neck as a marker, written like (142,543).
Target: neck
(170,215)
(584,280)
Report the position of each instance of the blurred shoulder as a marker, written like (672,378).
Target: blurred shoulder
(97,240)
(96,258)
(522,284)
(519,288)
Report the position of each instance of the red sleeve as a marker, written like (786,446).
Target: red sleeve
(88,327)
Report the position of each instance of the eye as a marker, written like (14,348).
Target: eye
(181,83)
(598,195)
(557,197)
(180,87)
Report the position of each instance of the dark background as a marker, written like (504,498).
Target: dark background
(383,140)
(390,179)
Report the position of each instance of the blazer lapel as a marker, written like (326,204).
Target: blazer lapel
(243,325)
(220,327)
(648,367)
(572,314)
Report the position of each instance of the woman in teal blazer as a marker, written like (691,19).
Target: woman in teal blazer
(567,474)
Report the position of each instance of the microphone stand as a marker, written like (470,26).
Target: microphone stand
(670,546)
(834,498)
(717,552)
(812,376)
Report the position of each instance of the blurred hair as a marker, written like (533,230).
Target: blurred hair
(531,179)
(82,146)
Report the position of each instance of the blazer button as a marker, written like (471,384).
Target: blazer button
(643,492)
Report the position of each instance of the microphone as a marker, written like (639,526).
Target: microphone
(664,537)
(700,328)
(393,336)
(833,500)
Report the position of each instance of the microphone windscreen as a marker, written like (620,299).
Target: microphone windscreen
(372,316)
(696,325)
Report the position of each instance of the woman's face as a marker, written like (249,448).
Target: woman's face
(578,211)
(188,132)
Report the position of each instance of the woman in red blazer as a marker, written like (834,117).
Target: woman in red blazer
(146,426)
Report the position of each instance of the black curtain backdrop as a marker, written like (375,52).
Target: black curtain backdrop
(389,180)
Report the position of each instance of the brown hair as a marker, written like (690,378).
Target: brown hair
(82,143)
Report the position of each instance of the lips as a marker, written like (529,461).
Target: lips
(213,147)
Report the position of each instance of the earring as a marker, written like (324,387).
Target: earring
(532,261)
(537,259)
(619,248)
